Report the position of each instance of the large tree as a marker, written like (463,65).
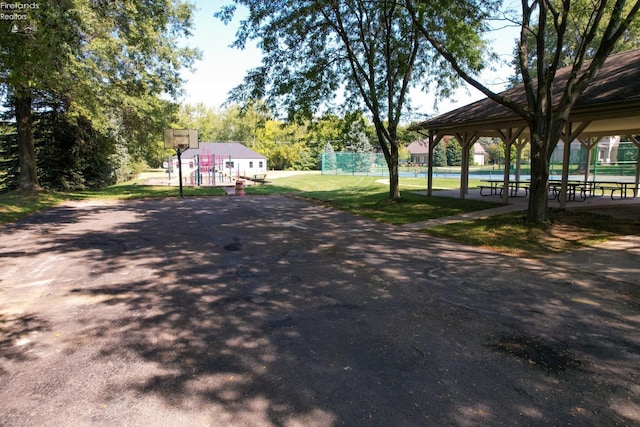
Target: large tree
(33,53)
(553,33)
(369,50)
(112,61)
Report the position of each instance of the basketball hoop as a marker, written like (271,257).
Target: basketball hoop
(181,140)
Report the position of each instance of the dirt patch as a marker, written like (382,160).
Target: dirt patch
(536,353)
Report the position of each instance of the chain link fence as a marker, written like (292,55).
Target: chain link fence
(354,164)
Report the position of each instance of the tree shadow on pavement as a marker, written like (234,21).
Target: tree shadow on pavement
(273,311)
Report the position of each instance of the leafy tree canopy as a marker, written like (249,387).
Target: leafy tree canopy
(581,17)
(111,62)
(553,33)
(361,54)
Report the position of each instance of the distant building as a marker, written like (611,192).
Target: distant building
(231,158)
(419,151)
(479,154)
(607,151)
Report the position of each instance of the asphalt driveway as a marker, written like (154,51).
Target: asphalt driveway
(261,311)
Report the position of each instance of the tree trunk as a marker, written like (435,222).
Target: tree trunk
(394,180)
(28,180)
(390,148)
(538,199)
(545,134)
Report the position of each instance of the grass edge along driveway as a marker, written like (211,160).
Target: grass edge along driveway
(367,196)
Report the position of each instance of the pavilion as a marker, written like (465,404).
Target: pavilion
(609,106)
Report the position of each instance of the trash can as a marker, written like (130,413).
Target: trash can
(239,188)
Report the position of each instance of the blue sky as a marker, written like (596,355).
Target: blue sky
(223,68)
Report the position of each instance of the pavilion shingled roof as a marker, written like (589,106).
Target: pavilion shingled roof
(614,91)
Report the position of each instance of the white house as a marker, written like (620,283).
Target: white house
(479,154)
(229,158)
(607,151)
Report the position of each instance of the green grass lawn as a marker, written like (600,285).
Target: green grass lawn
(15,205)
(368,196)
(565,231)
(365,196)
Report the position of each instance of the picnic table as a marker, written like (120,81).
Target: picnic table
(589,188)
(259,177)
(573,188)
(622,187)
(496,187)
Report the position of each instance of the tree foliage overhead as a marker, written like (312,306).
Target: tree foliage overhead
(109,62)
(362,54)
(581,17)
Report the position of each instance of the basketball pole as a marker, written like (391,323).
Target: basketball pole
(180,140)
(180,170)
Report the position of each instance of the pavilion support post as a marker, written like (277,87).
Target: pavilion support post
(520,144)
(434,140)
(636,141)
(508,137)
(567,136)
(588,144)
(566,156)
(507,176)
(466,141)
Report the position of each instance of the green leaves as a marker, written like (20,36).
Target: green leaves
(100,55)
(366,54)
(111,63)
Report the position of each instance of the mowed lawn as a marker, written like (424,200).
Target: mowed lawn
(368,196)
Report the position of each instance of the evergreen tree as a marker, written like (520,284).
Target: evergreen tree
(328,158)
(440,154)
(111,61)
(454,153)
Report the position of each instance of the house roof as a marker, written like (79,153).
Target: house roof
(611,103)
(479,149)
(422,147)
(235,150)
(419,147)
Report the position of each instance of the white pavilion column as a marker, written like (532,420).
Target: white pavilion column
(434,140)
(466,141)
(520,143)
(636,141)
(588,144)
(567,136)
(508,136)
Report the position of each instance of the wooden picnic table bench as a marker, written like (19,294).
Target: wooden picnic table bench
(260,177)
(496,187)
(574,188)
(589,189)
(622,187)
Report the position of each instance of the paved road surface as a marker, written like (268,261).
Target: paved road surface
(261,311)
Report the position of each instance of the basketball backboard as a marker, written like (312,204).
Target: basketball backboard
(181,139)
